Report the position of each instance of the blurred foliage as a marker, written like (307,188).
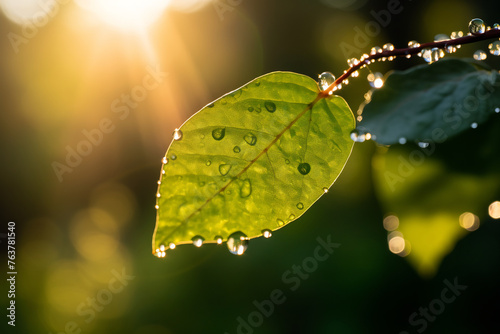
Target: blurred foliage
(74,236)
(431,103)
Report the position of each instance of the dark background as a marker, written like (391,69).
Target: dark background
(73,234)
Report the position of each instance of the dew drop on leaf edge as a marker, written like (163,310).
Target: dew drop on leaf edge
(177,135)
(267,233)
(198,241)
(357,137)
(300,206)
(237,243)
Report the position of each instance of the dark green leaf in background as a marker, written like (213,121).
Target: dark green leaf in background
(431,102)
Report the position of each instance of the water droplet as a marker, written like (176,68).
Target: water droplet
(287,161)
(224,169)
(250,109)
(436,54)
(211,105)
(164,160)
(208,163)
(496,26)
(451,48)
(198,241)
(236,149)
(218,133)
(291,217)
(357,137)
(325,190)
(402,140)
(388,47)
(325,80)
(158,195)
(250,139)
(157,206)
(495,48)
(177,134)
(237,243)
(441,37)
(173,157)
(159,182)
(352,62)
(476,26)
(497,110)
(304,168)
(280,222)
(162,248)
(456,34)
(376,79)
(426,54)
(163,172)
(473,125)
(245,188)
(171,245)
(270,106)
(413,44)
(423,144)
(267,233)
(300,206)
(480,55)
(375,50)
(218,239)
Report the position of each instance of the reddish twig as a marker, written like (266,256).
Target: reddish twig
(493,33)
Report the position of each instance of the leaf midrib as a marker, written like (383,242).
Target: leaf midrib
(250,163)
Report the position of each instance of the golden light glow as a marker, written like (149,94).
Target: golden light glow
(129,15)
(391,222)
(397,244)
(469,221)
(378,83)
(494,210)
(188,6)
(33,11)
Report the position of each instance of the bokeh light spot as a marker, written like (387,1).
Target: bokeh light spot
(469,221)
(494,210)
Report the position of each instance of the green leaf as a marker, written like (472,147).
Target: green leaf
(255,159)
(431,102)
(430,189)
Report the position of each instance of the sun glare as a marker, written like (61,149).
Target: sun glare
(129,15)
